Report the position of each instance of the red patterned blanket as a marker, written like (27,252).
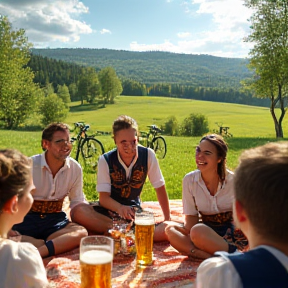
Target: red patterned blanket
(169,269)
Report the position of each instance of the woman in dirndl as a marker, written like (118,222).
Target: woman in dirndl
(207,196)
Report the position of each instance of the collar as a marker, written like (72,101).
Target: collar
(45,165)
(134,159)
(198,178)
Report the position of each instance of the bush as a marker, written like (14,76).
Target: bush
(53,109)
(195,125)
(171,127)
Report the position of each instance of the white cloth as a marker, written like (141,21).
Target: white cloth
(21,266)
(67,181)
(219,272)
(154,173)
(194,186)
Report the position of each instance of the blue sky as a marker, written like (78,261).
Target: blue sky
(214,27)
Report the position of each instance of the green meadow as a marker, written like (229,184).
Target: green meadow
(251,126)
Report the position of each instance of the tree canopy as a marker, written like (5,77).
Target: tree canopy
(269,56)
(18,92)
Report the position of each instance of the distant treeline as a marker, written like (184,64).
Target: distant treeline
(155,67)
(58,72)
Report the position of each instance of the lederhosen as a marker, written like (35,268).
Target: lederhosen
(259,268)
(125,190)
(222,224)
(44,218)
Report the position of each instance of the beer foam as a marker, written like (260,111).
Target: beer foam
(144,222)
(96,257)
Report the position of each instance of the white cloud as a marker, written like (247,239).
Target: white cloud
(47,21)
(224,39)
(105,31)
(183,34)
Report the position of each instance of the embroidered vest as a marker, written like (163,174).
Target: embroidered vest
(123,190)
(260,268)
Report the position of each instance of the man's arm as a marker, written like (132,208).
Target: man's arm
(164,202)
(123,211)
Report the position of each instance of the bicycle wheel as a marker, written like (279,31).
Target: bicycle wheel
(159,146)
(91,150)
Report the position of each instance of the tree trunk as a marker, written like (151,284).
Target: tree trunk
(278,123)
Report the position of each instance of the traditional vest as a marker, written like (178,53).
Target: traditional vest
(260,268)
(123,190)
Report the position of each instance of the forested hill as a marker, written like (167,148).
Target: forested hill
(158,67)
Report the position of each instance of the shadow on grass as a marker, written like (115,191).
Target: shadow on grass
(28,128)
(241,143)
(86,107)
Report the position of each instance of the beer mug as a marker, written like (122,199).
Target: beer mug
(96,257)
(144,233)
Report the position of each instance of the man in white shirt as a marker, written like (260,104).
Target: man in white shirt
(260,211)
(121,175)
(55,176)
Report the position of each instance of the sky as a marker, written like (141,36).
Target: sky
(213,27)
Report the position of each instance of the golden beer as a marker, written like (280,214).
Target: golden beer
(144,233)
(95,269)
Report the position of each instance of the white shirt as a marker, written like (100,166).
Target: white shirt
(67,181)
(219,272)
(154,173)
(21,266)
(193,185)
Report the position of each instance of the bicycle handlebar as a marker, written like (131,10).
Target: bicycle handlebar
(155,128)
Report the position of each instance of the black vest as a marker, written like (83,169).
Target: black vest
(123,190)
(260,268)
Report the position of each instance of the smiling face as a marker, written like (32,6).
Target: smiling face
(206,157)
(126,141)
(59,147)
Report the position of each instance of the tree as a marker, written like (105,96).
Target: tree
(63,93)
(269,56)
(48,89)
(89,86)
(73,91)
(110,84)
(53,109)
(18,92)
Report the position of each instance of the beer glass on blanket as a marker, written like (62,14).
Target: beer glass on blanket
(144,233)
(96,257)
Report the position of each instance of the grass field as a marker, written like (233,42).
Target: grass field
(251,126)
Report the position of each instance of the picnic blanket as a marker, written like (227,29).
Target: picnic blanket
(169,269)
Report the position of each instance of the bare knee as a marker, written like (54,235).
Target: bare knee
(78,210)
(198,232)
(77,230)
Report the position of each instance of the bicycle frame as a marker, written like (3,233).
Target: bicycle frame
(80,137)
(154,141)
(89,147)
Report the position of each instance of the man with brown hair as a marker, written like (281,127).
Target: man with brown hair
(55,176)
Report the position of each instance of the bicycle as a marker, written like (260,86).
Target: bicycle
(152,139)
(223,130)
(89,147)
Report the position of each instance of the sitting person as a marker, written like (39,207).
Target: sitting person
(207,195)
(55,176)
(261,211)
(121,175)
(21,264)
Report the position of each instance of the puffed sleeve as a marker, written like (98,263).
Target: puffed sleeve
(217,272)
(24,267)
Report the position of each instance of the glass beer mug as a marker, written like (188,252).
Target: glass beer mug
(144,233)
(96,256)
